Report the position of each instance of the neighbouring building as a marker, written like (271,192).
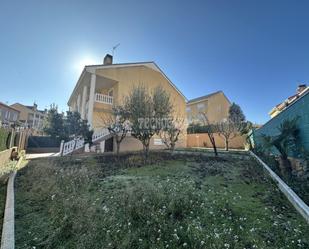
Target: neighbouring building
(301,90)
(8,115)
(295,106)
(100,87)
(215,105)
(30,116)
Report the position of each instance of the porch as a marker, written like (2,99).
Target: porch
(93,92)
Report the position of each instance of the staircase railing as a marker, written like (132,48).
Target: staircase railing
(100,134)
(70,146)
(79,142)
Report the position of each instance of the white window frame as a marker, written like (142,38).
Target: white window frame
(200,106)
(157,141)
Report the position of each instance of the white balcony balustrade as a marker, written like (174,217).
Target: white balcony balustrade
(102,98)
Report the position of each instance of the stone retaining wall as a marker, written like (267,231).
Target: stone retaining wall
(5,156)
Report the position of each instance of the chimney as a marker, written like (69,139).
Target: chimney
(300,88)
(108,60)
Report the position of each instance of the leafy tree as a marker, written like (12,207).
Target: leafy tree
(144,110)
(53,124)
(236,115)
(246,132)
(238,124)
(76,126)
(66,127)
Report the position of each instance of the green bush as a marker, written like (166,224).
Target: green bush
(4,135)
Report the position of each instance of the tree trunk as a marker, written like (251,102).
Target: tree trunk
(226,144)
(285,166)
(117,148)
(146,149)
(172,146)
(213,143)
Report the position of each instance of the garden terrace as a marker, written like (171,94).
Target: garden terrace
(175,201)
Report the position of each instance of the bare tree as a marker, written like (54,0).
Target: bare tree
(171,132)
(228,130)
(117,125)
(210,129)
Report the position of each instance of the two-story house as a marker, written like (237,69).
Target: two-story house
(30,116)
(215,106)
(300,91)
(100,87)
(8,115)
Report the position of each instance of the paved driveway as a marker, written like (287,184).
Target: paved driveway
(39,155)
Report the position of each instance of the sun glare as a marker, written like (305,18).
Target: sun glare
(81,63)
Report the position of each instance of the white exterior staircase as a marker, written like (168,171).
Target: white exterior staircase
(79,142)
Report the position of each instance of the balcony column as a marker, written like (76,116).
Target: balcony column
(33,121)
(91,99)
(83,111)
(78,103)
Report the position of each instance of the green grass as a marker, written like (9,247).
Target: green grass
(174,202)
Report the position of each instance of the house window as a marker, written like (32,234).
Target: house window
(200,107)
(189,119)
(157,141)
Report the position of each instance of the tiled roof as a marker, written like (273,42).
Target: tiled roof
(203,97)
(10,107)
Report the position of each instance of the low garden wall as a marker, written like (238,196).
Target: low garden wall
(5,156)
(198,140)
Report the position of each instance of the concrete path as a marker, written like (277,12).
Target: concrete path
(41,155)
(8,231)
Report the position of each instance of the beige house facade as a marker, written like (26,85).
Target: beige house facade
(30,116)
(215,105)
(100,87)
(8,115)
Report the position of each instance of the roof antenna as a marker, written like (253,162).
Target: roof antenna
(114,48)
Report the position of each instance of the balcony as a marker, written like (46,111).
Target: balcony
(104,99)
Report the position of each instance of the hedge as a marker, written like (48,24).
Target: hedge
(43,142)
(198,128)
(4,139)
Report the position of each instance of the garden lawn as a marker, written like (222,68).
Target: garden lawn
(175,201)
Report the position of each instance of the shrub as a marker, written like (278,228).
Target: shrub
(4,136)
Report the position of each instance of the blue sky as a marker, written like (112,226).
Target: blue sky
(257,52)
